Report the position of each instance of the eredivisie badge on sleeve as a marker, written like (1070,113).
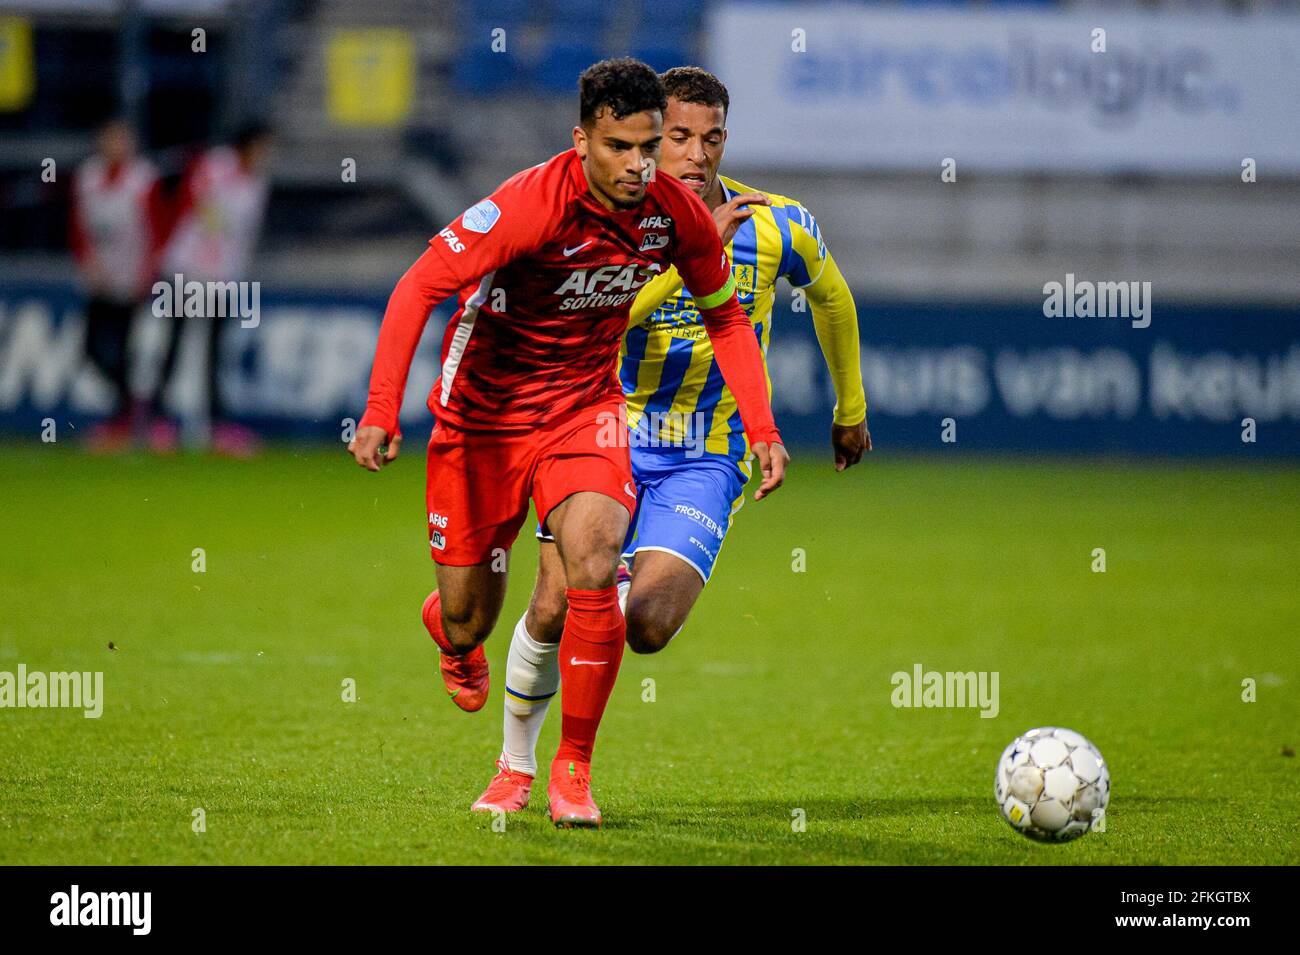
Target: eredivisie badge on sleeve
(481,217)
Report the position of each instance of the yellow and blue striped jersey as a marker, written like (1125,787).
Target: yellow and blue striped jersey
(677,401)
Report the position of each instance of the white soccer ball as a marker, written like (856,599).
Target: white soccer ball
(1052,784)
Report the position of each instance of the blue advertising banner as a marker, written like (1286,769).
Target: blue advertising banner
(1196,380)
(1010,378)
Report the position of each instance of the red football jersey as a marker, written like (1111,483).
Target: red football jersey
(546,277)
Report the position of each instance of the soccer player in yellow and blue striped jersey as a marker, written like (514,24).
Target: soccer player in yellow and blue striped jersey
(688,448)
(689,453)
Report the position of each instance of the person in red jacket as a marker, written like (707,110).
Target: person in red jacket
(529,403)
(116,229)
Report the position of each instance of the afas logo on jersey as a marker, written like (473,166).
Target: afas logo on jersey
(452,239)
(437,523)
(607,278)
(656,222)
(609,286)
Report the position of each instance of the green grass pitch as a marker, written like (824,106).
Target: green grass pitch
(224,692)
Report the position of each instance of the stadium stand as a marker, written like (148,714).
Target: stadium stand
(476,116)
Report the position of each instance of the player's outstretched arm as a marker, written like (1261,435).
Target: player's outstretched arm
(425,284)
(703,264)
(490,233)
(835,320)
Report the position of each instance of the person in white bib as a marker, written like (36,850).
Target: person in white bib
(116,231)
(219,213)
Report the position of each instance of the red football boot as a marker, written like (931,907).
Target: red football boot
(464,676)
(508,791)
(569,792)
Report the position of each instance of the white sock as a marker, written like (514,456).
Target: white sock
(532,679)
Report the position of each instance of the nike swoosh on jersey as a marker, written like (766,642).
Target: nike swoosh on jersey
(568,252)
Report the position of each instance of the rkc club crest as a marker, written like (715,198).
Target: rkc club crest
(744,277)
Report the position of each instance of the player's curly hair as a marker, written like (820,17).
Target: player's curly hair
(691,84)
(624,85)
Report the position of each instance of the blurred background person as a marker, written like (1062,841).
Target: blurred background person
(117,225)
(219,211)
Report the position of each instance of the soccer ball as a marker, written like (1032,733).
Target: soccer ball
(1052,784)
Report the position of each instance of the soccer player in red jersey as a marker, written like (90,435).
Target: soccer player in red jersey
(529,404)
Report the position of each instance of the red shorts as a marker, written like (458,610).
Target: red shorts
(479,482)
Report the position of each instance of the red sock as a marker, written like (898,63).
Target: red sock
(432,614)
(590,652)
